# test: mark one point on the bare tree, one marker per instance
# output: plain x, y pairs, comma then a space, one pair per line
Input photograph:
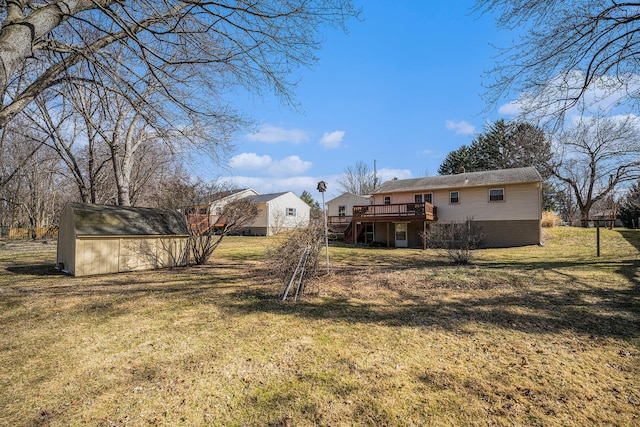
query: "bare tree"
205, 238
358, 179
595, 156
208, 45
578, 52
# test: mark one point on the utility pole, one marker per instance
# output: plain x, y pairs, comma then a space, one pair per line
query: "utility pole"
322, 187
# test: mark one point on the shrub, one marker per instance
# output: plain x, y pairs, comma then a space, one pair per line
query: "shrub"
456, 239
550, 219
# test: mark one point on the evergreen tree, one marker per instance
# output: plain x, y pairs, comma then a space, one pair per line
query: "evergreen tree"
503, 145
630, 210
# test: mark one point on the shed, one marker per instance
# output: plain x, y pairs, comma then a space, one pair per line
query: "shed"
100, 239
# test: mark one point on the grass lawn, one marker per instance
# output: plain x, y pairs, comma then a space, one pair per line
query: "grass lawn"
398, 337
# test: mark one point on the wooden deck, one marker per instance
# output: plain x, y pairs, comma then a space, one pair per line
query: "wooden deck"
395, 212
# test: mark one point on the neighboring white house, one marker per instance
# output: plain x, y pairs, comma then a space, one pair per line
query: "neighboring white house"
340, 211
277, 213
207, 213
342, 206
216, 207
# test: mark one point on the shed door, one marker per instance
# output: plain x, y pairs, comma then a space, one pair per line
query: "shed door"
401, 235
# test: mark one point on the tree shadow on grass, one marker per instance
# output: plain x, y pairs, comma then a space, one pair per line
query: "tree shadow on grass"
605, 311
631, 236
35, 270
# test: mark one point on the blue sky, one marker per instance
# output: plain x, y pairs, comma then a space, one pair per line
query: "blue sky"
403, 87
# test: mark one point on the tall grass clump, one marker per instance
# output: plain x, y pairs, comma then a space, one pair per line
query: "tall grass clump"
550, 219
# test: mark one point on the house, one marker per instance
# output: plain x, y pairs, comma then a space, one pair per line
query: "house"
506, 204
208, 213
277, 213
97, 239
340, 211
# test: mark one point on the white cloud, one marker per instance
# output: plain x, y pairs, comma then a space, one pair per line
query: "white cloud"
291, 165
605, 95
273, 134
513, 108
386, 174
461, 128
332, 139
250, 161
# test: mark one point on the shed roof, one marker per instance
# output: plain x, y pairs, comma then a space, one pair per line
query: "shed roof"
461, 180
103, 220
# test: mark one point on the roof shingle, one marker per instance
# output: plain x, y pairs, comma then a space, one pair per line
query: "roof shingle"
462, 180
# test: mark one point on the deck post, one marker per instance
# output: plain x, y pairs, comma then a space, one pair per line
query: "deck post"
424, 235
388, 236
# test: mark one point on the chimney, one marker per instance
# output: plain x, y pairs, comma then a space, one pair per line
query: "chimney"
461, 169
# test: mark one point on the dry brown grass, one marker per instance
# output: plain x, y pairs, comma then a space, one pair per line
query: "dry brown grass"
550, 219
526, 336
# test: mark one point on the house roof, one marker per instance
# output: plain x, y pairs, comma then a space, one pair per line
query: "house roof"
220, 195
462, 180
350, 196
103, 220
264, 198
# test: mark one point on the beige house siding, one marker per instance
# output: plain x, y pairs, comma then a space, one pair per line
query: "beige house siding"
514, 221
521, 202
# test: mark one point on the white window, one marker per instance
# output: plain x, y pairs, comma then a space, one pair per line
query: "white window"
417, 198
291, 211
387, 200
342, 210
496, 195
454, 197
428, 198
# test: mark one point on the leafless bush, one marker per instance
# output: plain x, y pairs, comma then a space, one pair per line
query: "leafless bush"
456, 239
204, 238
283, 260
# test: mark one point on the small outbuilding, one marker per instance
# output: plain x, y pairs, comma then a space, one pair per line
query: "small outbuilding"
100, 239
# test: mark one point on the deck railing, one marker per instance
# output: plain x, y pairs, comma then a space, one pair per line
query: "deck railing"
341, 220
409, 211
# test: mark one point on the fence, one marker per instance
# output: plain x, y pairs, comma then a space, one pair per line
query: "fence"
27, 233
